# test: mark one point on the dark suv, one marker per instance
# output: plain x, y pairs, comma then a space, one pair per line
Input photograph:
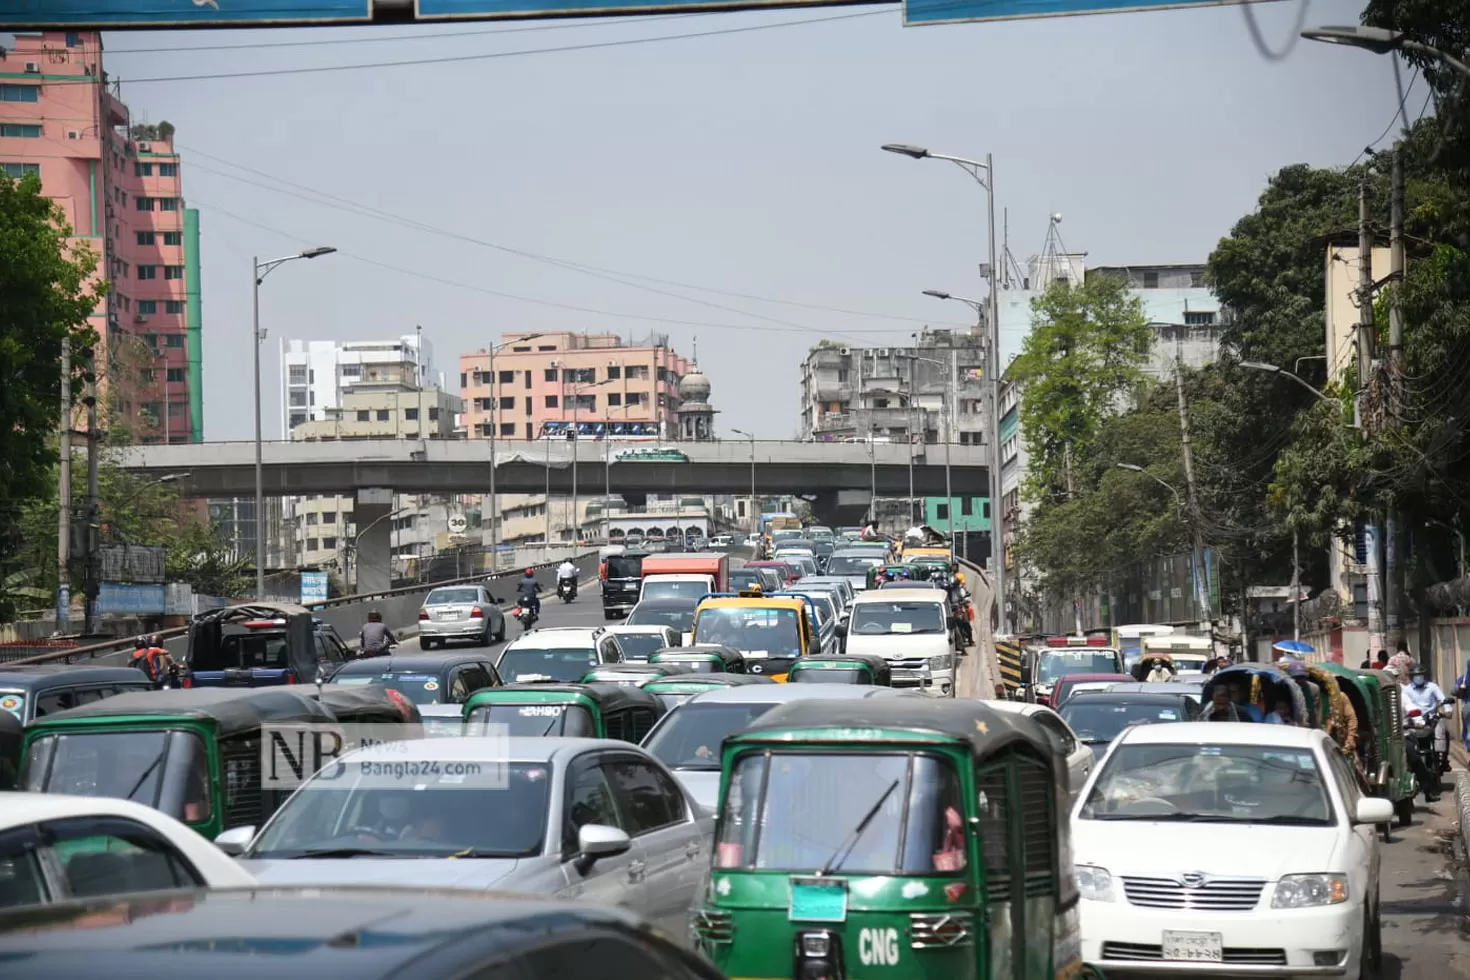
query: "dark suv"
622, 577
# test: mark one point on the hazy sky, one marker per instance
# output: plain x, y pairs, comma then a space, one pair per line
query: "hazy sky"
746, 163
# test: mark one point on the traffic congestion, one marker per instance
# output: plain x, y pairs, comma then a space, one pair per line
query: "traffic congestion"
770, 758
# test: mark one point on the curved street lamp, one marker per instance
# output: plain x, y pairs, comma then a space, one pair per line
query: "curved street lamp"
1380, 40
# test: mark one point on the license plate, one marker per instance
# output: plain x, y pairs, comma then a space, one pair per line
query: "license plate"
446, 614
817, 900
1193, 947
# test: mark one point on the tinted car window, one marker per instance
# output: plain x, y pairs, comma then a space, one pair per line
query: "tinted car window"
615, 958
21, 880
691, 738
114, 855
638, 646
589, 800
648, 798
621, 566
444, 596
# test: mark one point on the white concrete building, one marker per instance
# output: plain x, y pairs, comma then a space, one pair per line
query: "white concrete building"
315, 373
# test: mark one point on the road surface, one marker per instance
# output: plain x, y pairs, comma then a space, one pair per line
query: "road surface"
1422, 899
585, 611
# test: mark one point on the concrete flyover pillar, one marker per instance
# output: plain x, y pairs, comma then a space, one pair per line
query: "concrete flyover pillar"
374, 542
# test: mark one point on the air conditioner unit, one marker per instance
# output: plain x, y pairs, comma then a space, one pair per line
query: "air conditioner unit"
73, 134
844, 351
141, 318
33, 68
145, 147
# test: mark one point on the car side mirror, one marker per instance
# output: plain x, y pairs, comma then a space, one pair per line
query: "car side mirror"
595, 841
841, 628
1373, 810
234, 841
497, 600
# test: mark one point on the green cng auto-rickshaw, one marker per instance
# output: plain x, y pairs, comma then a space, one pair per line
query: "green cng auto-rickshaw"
845, 668
702, 658
636, 675
195, 754
891, 838
675, 689
11, 736
612, 711
1381, 754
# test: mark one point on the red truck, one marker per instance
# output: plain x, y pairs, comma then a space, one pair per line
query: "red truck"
685, 575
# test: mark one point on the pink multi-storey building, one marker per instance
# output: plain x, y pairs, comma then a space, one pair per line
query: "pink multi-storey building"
540, 384
120, 189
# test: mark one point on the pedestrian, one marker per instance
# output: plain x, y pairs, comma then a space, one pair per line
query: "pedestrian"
1002, 693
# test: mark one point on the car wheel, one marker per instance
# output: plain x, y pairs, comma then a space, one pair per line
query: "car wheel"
1370, 960
500, 633
425, 643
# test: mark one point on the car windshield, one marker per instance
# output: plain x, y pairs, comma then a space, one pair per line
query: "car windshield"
638, 646
1254, 784
852, 564
796, 811
442, 597
1099, 721
566, 665
420, 688
622, 566
753, 630
439, 809
691, 737
872, 618
655, 588
532, 720
680, 618
745, 579
1052, 665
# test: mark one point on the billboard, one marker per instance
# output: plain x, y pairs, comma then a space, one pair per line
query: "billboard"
132, 600
139, 564
918, 12
313, 587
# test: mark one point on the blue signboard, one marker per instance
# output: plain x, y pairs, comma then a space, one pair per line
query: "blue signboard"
313, 587
180, 13
134, 600
917, 12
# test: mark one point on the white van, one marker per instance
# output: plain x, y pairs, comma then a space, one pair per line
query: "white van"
910, 628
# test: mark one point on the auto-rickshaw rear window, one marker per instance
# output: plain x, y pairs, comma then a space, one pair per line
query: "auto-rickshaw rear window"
799, 811
532, 720
163, 769
263, 648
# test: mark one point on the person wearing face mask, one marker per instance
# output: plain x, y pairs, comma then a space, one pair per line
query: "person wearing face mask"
1424, 694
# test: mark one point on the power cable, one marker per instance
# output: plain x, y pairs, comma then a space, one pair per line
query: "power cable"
1259, 39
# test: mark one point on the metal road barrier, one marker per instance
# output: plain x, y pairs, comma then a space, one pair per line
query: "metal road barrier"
400, 609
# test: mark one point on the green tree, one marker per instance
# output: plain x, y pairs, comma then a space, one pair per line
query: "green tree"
1084, 355
46, 294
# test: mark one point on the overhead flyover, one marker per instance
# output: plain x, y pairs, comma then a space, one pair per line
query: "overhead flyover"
808, 469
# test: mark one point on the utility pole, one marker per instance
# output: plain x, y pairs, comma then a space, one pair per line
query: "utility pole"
492, 508
63, 510
1296, 588
1366, 338
1393, 397
94, 449
1201, 583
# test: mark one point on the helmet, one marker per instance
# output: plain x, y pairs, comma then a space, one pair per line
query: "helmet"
141, 643
155, 640
374, 616
530, 573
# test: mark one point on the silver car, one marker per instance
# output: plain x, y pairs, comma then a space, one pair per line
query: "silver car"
459, 612
593, 820
687, 739
639, 642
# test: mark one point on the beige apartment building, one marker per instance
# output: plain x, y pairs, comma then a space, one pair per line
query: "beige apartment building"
384, 404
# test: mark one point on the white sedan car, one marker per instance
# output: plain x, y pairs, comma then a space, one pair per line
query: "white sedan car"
55, 848
1214, 850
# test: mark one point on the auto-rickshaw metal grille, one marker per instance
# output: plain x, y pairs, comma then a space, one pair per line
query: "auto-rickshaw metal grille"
1395, 717
240, 762
941, 930
1038, 829
992, 784
714, 927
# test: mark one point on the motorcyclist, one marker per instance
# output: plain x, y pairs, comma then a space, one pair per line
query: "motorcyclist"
161, 666
528, 592
566, 574
1424, 694
140, 656
375, 639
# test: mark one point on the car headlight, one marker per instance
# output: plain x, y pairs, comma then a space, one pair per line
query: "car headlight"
1309, 891
1094, 884
941, 662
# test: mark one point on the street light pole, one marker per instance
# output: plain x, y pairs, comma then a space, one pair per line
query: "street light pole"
258, 271
753, 519
1380, 40
983, 173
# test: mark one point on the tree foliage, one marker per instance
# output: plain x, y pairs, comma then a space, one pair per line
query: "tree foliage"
47, 291
1086, 350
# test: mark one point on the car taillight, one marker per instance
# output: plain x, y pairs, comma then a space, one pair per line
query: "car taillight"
290, 678
188, 681
423, 614
477, 613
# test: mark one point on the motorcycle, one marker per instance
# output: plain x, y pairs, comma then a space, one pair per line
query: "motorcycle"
566, 589
524, 614
1419, 741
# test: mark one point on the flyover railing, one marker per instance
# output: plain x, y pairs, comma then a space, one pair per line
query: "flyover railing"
345, 614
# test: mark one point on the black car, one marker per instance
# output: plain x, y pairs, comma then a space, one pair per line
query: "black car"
1098, 717
622, 579
334, 934
677, 613
426, 679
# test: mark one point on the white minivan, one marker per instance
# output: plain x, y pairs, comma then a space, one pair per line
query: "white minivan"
909, 628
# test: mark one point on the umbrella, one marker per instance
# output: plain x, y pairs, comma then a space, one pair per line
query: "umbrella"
1294, 648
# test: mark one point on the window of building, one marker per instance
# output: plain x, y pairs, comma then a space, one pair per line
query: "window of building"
311, 544
329, 544
143, 203
147, 272
527, 376
147, 376
614, 372
311, 518
173, 272
176, 409
142, 170
20, 130
296, 374
551, 401
550, 374
151, 339
614, 398
19, 170
297, 399
636, 398
636, 372
507, 429
1195, 318
145, 237
147, 307
168, 204
508, 403
363, 415
462, 380
410, 414
173, 307
433, 415
173, 238
384, 415
506, 377
176, 375
174, 340
586, 403
1151, 280
20, 93
168, 170
584, 376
